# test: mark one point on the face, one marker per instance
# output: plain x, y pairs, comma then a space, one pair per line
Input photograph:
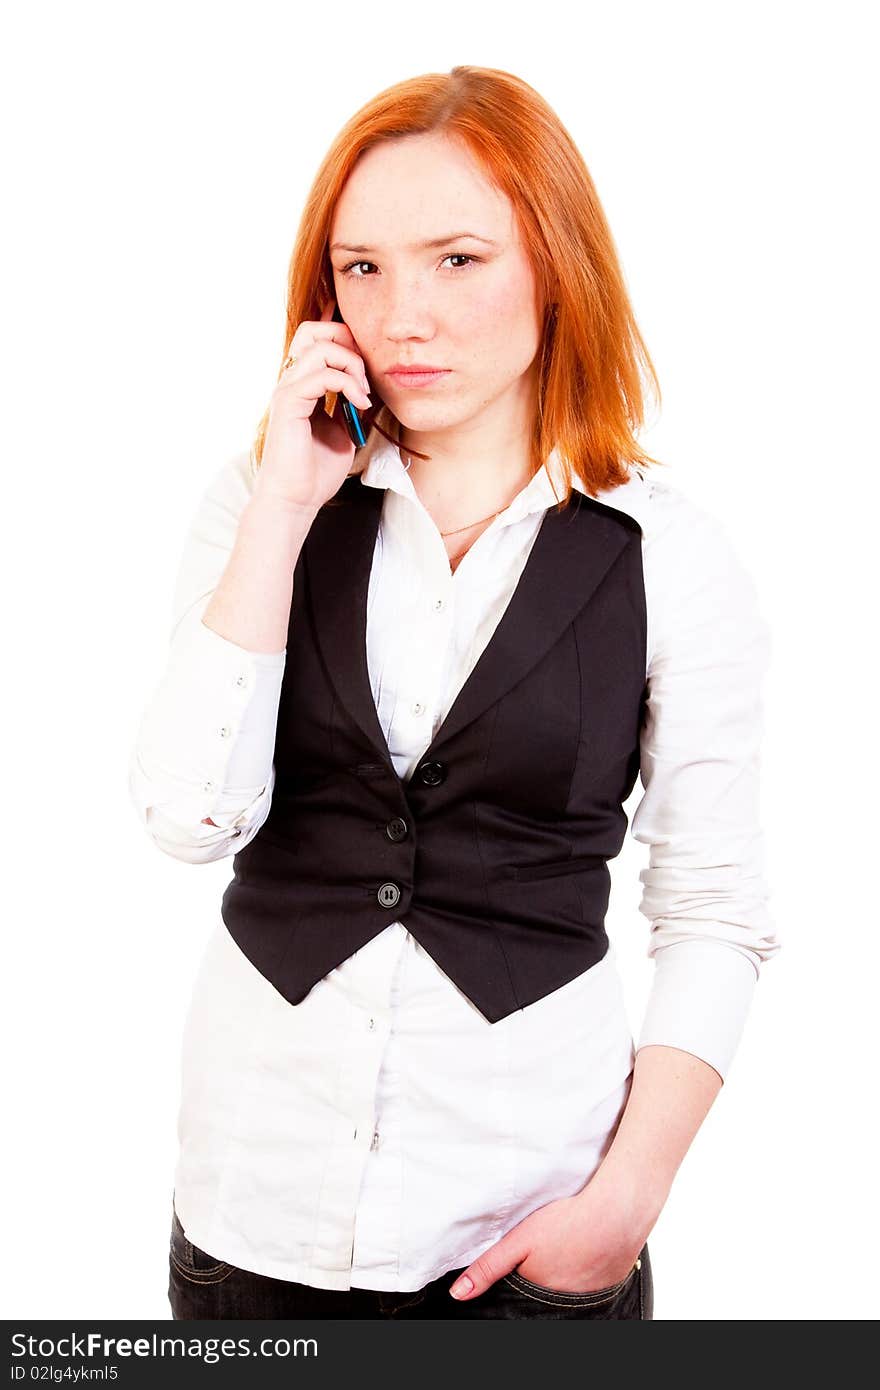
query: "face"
466, 305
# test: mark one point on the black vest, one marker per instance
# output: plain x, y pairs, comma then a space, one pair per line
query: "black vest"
493, 854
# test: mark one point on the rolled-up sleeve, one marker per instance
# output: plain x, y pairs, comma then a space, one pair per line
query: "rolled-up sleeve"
205, 744
705, 889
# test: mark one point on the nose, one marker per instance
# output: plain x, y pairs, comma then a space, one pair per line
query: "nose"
406, 314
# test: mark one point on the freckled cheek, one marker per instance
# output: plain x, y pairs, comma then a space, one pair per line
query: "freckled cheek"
492, 339
366, 331
501, 316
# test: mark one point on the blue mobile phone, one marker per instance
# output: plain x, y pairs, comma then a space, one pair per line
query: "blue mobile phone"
349, 414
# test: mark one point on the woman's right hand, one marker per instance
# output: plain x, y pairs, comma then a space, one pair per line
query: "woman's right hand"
306, 453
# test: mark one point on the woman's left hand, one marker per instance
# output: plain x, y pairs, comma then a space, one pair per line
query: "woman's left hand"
576, 1244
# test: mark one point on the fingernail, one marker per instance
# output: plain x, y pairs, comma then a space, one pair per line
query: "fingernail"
462, 1286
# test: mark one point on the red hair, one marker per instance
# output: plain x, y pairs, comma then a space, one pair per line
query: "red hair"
590, 393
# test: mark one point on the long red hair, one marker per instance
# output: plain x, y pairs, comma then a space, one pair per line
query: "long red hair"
591, 389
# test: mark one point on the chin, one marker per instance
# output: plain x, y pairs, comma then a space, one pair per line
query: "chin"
427, 415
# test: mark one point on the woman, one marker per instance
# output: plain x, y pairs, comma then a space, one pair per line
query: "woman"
409, 689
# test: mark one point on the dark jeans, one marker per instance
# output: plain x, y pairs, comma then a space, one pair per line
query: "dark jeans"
202, 1287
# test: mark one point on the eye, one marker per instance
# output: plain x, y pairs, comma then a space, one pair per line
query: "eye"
453, 256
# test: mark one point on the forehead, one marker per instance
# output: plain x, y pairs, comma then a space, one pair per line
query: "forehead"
408, 190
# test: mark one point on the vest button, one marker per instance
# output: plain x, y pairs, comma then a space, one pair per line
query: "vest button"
431, 774
396, 829
389, 895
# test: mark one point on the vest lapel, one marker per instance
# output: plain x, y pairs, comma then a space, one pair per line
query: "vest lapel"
572, 553
338, 554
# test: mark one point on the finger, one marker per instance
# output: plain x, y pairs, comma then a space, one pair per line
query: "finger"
333, 354
485, 1270
311, 331
463, 1286
328, 327
312, 386
339, 331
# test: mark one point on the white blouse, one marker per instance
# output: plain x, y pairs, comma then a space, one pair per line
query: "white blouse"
382, 1132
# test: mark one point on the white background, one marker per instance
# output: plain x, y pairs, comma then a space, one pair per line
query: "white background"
157, 158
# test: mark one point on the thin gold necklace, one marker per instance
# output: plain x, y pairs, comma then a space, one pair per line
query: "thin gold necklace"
458, 529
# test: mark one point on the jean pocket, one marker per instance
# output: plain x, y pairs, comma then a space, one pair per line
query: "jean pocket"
565, 1298
192, 1263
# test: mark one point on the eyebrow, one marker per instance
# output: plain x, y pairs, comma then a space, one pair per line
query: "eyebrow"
421, 245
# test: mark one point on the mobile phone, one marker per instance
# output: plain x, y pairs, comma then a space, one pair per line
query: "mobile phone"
350, 415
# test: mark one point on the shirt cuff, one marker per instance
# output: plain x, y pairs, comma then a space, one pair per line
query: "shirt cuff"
700, 1000
206, 741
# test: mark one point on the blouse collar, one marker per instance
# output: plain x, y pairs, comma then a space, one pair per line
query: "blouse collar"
380, 465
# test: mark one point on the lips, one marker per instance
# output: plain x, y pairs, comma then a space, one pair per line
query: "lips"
417, 376
415, 367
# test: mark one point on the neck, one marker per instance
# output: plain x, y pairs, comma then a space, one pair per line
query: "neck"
473, 471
